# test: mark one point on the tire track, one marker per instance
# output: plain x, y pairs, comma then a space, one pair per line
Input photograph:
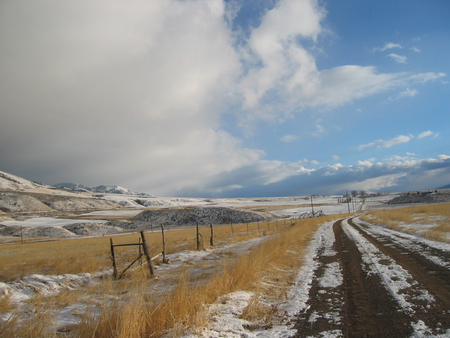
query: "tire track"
360, 301
369, 310
430, 276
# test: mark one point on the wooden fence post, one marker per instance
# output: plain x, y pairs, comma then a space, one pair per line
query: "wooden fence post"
140, 251
113, 258
165, 259
211, 240
259, 232
147, 254
198, 238
247, 229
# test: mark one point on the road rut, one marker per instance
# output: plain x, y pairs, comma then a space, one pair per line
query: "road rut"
376, 283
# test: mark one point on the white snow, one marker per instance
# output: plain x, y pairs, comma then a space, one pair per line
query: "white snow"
410, 241
332, 277
113, 213
47, 221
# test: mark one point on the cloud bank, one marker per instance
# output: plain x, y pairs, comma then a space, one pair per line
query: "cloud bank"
402, 174
134, 93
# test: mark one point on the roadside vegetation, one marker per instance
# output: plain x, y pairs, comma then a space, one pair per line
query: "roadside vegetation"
428, 220
138, 306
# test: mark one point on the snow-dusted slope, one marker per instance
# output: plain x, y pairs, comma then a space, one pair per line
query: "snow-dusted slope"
12, 182
102, 189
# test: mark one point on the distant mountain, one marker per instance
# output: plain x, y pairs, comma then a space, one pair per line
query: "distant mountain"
72, 187
13, 182
101, 189
445, 187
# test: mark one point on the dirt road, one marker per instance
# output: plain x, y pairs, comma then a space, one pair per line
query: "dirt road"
369, 281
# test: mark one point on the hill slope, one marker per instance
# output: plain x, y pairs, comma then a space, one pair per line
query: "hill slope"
13, 182
204, 216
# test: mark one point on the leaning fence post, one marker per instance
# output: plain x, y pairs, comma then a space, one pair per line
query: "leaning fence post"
147, 254
113, 257
211, 240
140, 252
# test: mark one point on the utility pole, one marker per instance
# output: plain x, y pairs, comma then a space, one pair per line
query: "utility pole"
348, 202
312, 205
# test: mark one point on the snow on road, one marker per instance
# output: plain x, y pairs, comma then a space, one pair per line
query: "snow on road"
375, 295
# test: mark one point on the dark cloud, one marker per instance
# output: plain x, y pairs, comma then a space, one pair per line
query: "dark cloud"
337, 179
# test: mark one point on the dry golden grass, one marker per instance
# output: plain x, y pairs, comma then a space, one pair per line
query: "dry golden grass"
5, 304
93, 254
275, 260
37, 322
412, 219
126, 307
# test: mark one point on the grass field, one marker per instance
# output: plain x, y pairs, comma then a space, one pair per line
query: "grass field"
429, 220
137, 306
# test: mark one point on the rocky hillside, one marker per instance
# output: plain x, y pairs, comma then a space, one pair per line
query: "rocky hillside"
204, 216
14, 202
12, 182
421, 198
103, 189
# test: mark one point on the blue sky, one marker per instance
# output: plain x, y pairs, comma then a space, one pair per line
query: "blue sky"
227, 98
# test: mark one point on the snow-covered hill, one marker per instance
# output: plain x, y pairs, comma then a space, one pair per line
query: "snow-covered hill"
13, 182
102, 189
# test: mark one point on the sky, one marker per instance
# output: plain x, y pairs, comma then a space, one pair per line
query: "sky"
236, 98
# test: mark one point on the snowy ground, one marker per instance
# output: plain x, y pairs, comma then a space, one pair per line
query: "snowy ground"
410, 296
46, 221
328, 205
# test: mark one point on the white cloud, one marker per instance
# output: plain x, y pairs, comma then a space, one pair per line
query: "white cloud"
388, 45
425, 77
319, 129
341, 85
406, 93
397, 158
425, 134
417, 50
336, 158
289, 138
131, 86
386, 143
284, 63
282, 75
398, 58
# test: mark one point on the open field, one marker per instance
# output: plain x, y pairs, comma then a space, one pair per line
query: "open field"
283, 277
428, 220
262, 265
